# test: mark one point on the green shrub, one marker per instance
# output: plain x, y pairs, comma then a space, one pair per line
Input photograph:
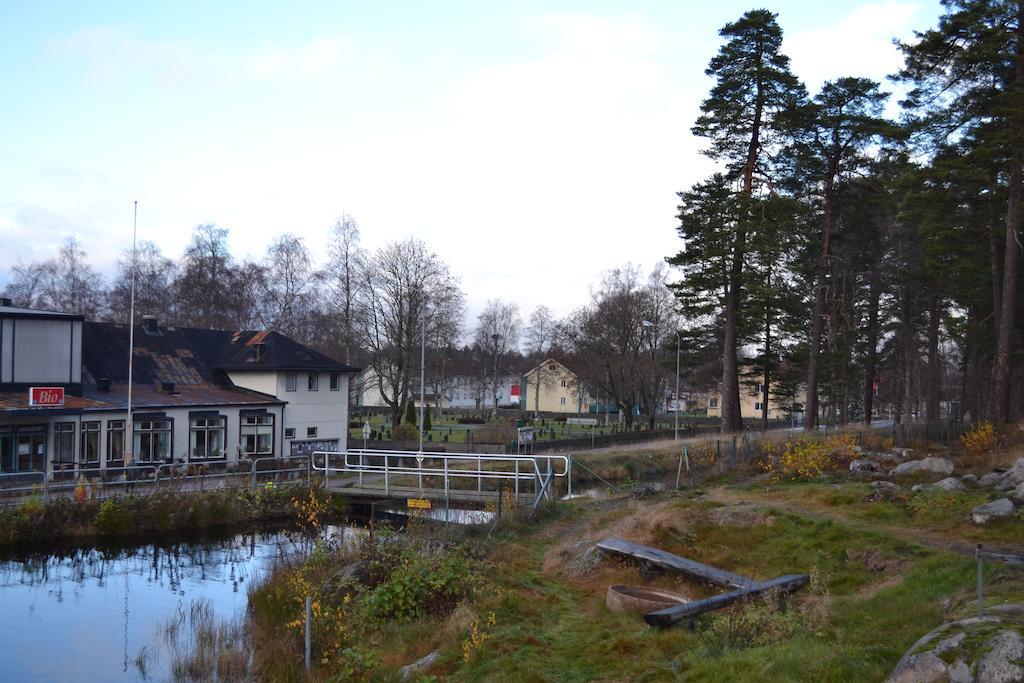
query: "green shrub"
405, 432
427, 424
112, 517
410, 414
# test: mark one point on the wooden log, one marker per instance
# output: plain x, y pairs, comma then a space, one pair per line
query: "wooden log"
675, 563
673, 615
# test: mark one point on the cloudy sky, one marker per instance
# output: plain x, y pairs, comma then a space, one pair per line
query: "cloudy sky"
532, 145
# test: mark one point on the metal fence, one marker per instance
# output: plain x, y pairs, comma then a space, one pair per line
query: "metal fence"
145, 479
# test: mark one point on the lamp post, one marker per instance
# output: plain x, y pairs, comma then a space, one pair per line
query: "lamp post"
675, 433
423, 365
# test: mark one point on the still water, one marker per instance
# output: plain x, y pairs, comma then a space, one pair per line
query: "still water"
86, 614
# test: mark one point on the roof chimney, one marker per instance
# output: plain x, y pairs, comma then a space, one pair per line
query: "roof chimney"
150, 324
168, 387
103, 384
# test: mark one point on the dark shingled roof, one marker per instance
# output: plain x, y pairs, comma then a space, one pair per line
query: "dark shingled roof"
194, 360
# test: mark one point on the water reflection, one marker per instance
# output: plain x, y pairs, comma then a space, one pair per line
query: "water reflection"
86, 614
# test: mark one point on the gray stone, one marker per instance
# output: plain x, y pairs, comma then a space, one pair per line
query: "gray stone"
948, 484
1015, 475
997, 509
929, 464
970, 481
950, 643
999, 664
861, 466
959, 672
908, 467
920, 668
1018, 493
408, 671
990, 479
885, 490
902, 453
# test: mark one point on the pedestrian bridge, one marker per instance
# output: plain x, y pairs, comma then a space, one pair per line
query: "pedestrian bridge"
450, 477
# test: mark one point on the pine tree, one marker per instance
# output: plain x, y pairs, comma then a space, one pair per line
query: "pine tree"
427, 424
410, 413
740, 118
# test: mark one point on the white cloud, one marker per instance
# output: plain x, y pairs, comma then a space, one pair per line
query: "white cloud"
860, 44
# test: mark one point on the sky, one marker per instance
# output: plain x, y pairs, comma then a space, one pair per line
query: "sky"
531, 145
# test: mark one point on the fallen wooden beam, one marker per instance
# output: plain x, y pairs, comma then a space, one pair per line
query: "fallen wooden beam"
675, 563
673, 615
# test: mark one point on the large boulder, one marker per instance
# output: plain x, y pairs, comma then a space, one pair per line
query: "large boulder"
929, 464
885, 490
991, 479
1015, 475
925, 667
1018, 493
997, 509
864, 468
1001, 663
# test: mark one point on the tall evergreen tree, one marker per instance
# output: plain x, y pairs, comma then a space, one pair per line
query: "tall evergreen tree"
740, 118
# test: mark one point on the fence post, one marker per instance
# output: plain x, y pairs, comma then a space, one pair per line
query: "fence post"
568, 475
252, 467
679, 469
309, 629
387, 487
981, 580
46, 487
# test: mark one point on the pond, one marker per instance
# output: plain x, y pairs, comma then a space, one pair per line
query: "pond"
88, 613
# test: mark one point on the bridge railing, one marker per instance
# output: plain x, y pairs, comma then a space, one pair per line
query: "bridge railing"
375, 467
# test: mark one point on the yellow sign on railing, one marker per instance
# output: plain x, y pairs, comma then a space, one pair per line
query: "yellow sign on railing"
418, 503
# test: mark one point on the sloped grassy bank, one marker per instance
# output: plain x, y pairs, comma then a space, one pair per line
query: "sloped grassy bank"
525, 600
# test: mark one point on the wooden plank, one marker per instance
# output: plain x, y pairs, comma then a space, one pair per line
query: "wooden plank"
675, 563
673, 615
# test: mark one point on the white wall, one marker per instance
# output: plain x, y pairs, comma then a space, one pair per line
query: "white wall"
324, 409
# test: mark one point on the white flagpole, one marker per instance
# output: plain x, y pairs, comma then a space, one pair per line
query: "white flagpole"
129, 432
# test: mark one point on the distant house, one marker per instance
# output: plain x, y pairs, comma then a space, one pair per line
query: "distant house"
198, 396
751, 402
553, 388
456, 391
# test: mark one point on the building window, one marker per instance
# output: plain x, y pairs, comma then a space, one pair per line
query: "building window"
152, 441
115, 441
90, 443
206, 438
289, 432
712, 403
551, 367
760, 388
313, 381
310, 432
335, 381
64, 443
257, 435
291, 381
563, 400
565, 383
757, 406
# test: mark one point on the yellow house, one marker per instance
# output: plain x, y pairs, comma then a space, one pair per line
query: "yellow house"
751, 397
552, 388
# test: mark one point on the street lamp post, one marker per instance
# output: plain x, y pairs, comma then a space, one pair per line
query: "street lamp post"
675, 435
423, 365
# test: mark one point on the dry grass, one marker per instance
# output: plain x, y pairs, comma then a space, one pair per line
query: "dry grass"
205, 648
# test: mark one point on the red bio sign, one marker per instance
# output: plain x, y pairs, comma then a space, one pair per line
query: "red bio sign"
46, 396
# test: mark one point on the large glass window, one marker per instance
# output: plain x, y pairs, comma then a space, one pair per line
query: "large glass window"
64, 443
312, 381
335, 381
206, 438
90, 455
290, 381
257, 435
152, 441
115, 442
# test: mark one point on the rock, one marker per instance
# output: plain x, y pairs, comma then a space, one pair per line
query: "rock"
885, 457
948, 484
408, 671
920, 668
1000, 663
969, 480
950, 643
1015, 475
902, 453
885, 490
990, 479
997, 509
859, 466
959, 672
929, 464
1018, 493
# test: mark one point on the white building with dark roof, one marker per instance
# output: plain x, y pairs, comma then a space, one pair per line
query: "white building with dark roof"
198, 396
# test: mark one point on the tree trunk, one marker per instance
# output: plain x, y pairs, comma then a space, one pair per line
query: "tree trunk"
732, 420
934, 376
871, 360
811, 408
1011, 252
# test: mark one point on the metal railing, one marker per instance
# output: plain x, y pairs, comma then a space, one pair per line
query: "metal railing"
143, 479
449, 471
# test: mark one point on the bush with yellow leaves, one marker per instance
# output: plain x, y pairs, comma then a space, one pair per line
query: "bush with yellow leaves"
980, 439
